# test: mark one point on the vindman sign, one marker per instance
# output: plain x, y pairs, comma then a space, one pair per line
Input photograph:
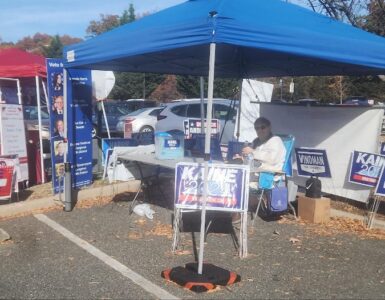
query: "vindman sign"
312, 162
365, 168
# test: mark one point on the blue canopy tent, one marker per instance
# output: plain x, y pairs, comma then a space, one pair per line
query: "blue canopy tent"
239, 39
253, 38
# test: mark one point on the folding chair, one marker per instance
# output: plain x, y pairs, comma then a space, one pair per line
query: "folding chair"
268, 180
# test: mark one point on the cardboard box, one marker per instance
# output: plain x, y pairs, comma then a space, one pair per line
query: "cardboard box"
315, 210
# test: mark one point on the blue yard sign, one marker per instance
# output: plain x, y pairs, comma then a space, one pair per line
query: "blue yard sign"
382, 150
312, 162
365, 168
380, 187
226, 186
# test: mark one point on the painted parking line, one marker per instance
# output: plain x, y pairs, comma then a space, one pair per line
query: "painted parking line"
145, 284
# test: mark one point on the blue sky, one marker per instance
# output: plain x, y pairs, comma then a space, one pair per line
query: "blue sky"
21, 18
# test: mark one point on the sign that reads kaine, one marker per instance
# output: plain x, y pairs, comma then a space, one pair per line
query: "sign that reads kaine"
312, 162
365, 168
226, 186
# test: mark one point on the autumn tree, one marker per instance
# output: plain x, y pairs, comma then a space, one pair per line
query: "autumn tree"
375, 20
41, 43
365, 14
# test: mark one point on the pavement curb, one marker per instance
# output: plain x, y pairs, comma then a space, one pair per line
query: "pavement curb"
31, 206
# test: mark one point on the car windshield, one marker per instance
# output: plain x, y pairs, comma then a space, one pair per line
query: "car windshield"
122, 110
137, 112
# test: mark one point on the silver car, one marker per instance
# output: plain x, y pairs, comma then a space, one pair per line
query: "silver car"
141, 120
31, 120
173, 116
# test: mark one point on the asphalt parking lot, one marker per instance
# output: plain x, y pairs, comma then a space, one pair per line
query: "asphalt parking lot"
286, 259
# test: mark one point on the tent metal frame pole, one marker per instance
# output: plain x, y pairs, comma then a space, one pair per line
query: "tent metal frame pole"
202, 89
105, 119
40, 128
19, 92
45, 94
207, 153
67, 164
239, 110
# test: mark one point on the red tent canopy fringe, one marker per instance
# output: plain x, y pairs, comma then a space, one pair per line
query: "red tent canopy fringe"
16, 63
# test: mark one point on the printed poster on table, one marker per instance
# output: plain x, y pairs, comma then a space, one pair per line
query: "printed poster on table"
365, 168
227, 186
12, 136
312, 162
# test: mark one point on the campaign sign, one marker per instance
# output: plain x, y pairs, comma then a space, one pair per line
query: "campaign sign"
365, 168
382, 150
226, 186
79, 108
193, 126
312, 162
12, 136
8, 169
380, 186
56, 113
171, 143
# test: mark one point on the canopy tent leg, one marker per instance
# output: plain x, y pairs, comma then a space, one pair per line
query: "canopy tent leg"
45, 95
19, 92
40, 128
105, 119
67, 177
207, 153
202, 88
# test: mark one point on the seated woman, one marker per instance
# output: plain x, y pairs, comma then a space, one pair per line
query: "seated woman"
267, 150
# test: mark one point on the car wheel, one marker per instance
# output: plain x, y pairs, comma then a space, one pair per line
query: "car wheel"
146, 129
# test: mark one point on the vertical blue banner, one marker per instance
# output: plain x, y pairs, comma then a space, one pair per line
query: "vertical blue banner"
79, 118
56, 110
78, 145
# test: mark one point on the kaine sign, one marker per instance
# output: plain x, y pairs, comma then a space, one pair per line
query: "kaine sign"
365, 168
226, 186
312, 162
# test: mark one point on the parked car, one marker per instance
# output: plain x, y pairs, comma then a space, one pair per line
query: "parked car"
358, 100
31, 120
114, 110
172, 117
141, 120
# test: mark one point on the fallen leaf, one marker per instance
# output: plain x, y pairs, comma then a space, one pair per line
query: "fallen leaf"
294, 240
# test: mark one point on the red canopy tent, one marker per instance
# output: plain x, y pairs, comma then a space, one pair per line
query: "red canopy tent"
16, 63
